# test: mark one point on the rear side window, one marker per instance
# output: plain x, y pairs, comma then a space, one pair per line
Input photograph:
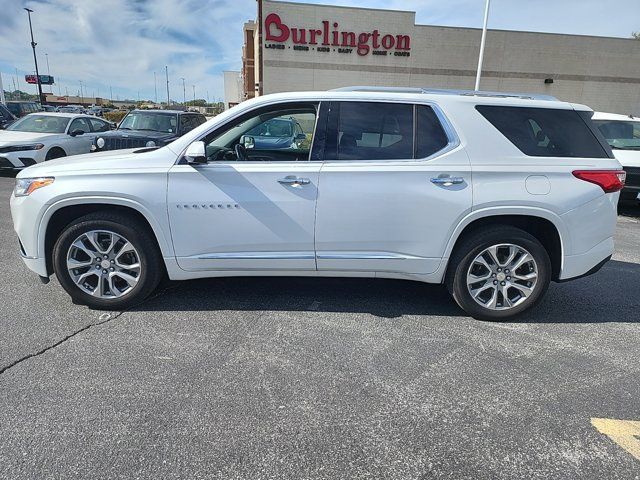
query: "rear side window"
375, 131
545, 132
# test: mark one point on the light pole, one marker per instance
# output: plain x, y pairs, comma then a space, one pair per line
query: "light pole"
184, 94
46, 55
484, 36
166, 71
81, 93
110, 94
194, 95
35, 60
155, 86
18, 83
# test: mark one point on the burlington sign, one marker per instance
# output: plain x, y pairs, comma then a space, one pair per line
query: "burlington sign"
329, 36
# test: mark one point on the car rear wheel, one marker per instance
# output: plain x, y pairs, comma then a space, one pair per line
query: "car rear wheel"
107, 261
498, 273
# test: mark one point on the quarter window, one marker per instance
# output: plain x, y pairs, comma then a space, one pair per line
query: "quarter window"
545, 132
430, 136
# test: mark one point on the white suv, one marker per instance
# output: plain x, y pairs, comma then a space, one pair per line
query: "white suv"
492, 195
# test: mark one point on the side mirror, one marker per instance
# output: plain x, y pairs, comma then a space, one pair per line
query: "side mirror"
301, 136
75, 133
196, 153
249, 142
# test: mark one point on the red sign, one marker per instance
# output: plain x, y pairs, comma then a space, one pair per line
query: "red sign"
364, 43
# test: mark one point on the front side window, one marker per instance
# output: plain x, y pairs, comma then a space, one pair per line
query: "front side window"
40, 124
545, 132
282, 133
620, 134
375, 131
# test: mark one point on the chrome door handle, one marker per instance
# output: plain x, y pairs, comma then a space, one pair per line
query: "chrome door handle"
294, 181
447, 181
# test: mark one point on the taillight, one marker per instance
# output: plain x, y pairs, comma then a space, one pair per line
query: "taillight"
609, 180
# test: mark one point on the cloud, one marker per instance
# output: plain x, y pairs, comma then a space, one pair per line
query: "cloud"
121, 43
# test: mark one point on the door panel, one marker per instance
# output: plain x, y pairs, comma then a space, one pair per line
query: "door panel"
379, 211
389, 217
243, 215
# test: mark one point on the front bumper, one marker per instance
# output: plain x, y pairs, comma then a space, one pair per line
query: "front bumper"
16, 161
26, 213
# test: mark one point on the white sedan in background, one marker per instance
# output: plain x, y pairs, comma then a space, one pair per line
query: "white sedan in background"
47, 135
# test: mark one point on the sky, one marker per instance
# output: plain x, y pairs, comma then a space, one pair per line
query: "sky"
117, 45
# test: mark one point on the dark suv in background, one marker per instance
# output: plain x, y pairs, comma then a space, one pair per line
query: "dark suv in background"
20, 108
148, 128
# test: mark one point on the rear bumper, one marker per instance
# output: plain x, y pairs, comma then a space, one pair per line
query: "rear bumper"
577, 266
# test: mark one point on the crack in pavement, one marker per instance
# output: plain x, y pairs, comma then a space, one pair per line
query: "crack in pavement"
109, 317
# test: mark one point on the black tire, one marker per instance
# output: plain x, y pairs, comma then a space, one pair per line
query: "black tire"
55, 152
472, 246
137, 233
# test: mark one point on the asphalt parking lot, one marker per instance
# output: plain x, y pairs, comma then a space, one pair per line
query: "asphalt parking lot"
317, 378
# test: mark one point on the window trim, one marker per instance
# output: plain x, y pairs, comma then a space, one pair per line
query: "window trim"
453, 140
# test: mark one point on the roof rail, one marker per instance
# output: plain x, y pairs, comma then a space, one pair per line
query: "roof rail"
445, 91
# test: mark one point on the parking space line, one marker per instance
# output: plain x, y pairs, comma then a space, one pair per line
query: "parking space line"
624, 432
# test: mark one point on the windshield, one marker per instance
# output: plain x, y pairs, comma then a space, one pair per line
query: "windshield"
40, 124
272, 128
620, 134
157, 122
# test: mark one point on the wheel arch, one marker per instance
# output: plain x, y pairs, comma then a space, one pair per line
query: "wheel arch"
542, 224
55, 147
60, 214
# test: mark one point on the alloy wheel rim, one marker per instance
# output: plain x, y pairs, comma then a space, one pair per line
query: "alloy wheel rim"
502, 276
104, 264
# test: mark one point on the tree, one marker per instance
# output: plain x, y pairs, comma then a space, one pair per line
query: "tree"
635, 35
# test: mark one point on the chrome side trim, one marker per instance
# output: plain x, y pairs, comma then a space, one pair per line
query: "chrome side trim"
328, 255
257, 256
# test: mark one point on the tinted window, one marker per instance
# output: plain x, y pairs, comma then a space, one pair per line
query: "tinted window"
620, 134
430, 136
5, 114
98, 125
375, 131
14, 108
545, 132
80, 124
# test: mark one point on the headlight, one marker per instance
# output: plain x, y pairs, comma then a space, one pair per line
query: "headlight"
100, 142
151, 143
26, 186
21, 148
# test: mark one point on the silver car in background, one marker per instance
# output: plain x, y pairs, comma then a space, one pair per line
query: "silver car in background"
44, 136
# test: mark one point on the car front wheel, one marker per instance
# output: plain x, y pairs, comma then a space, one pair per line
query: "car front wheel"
107, 261
499, 272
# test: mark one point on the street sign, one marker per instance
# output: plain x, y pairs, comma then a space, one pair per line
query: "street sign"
44, 79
